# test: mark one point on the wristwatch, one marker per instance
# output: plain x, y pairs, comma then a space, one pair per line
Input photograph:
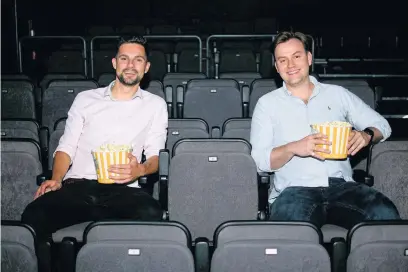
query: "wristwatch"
371, 133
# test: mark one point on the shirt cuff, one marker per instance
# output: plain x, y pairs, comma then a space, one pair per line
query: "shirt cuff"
385, 130
265, 161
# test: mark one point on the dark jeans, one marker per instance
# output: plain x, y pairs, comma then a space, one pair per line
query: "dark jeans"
81, 200
342, 203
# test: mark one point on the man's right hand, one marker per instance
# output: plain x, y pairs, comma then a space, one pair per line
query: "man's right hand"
46, 186
307, 146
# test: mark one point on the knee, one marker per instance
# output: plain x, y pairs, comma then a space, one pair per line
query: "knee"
151, 211
293, 212
383, 209
33, 215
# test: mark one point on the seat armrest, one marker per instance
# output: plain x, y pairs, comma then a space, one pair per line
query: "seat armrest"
202, 254
215, 132
361, 176
245, 100
164, 164
263, 188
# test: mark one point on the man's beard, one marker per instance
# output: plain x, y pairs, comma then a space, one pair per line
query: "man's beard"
128, 82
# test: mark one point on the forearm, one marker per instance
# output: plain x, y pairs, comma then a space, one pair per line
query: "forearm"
377, 135
61, 165
281, 155
151, 165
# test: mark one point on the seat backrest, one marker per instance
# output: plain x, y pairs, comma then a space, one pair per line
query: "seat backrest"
243, 78
20, 166
215, 101
378, 246
159, 65
14, 77
60, 123
58, 98
102, 62
237, 60
50, 77
244, 230
17, 248
211, 181
237, 128
176, 79
358, 87
128, 230
179, 79
136, 246
17, 99
20, 129
259, 88
389, 166
188, 61
212, 83
185, 129
156, 87
105, 79
268, 246
67, 61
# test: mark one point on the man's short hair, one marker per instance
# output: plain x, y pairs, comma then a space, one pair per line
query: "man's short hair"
288, 35
135, 40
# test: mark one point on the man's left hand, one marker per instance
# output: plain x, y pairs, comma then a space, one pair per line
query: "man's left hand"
127, 172
357, 141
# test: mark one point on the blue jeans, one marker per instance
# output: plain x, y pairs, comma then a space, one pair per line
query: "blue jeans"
342, 203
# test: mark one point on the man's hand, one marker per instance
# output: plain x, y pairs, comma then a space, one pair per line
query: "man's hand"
46, 186
127, 172
357, 140
308, 146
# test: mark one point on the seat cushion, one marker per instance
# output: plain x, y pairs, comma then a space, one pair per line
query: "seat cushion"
332, 231
75, 231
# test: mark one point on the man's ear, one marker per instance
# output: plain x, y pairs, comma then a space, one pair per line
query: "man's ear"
147, 67
114, 63
276, 67
309, 58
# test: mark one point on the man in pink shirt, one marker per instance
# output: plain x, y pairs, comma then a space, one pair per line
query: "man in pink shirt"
121, 113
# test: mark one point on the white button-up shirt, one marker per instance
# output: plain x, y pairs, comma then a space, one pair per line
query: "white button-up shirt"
95, 118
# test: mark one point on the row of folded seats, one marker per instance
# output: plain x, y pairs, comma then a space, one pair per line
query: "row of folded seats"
188, 95
177, 129
203, 183
234, 137
237, 246
227, 55
165, 57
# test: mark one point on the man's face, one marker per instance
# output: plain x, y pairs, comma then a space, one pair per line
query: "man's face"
130, 64
292, 62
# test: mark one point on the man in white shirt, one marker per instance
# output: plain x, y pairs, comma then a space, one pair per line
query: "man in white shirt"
121, 113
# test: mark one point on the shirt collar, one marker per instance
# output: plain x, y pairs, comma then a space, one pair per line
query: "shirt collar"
108, 92
316, 89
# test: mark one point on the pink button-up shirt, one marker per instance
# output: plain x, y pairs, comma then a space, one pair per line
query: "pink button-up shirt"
95, 118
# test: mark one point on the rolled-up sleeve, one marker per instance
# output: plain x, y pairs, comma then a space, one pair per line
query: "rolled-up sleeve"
262, 127
156, 136
361, 116
68, 142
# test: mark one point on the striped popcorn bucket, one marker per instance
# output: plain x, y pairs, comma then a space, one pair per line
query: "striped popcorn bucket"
104, 159
338, 134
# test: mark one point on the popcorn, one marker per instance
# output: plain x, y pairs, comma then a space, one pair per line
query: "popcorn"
334, 124
113, 148
338, 133
107, 155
